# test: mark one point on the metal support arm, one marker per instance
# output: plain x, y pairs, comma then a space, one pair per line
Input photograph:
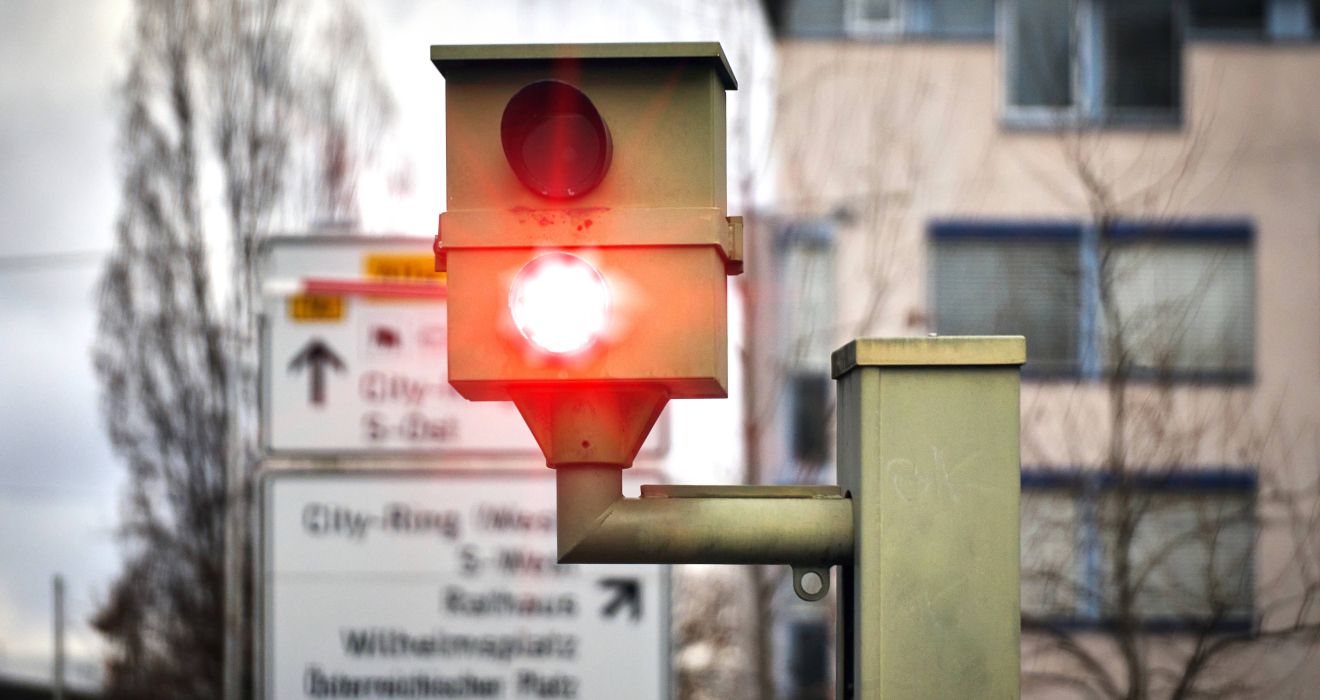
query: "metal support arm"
809, 528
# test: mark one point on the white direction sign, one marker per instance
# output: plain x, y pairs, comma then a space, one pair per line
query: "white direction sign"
385, 586
349, 372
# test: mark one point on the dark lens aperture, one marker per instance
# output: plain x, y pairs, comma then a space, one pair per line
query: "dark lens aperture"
555, 140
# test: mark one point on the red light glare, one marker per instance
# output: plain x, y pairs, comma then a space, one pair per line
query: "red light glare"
560, 303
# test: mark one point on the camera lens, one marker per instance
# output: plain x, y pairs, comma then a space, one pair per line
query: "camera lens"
555, 140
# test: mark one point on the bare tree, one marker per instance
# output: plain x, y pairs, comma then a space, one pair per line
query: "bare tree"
1174, 605
708, 661
212, 86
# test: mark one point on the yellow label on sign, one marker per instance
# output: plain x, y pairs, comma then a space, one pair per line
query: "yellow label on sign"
401, 266
309, 307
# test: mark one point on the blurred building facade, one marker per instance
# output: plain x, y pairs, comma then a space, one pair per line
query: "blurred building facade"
1134, 185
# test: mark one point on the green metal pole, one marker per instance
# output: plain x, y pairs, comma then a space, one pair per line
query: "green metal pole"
928, 450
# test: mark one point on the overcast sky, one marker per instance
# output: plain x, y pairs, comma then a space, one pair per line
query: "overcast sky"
58, 482
60, 485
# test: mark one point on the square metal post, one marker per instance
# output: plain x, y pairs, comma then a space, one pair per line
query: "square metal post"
928, 449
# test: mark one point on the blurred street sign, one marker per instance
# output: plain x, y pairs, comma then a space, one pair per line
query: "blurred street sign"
445, 585
354, 356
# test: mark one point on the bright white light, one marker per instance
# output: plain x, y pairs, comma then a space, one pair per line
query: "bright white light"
560, 302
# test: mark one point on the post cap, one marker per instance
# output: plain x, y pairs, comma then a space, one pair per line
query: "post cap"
702, 53
967, 350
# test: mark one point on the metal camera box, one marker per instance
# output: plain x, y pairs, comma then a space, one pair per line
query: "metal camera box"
615, 155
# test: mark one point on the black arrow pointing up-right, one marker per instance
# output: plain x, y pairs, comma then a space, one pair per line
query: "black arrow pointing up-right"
316, 355
627, 591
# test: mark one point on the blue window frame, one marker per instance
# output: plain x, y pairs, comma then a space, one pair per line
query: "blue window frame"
1189, 559
1160, 301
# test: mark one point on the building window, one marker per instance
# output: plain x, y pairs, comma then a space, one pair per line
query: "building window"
1042, 53
807, 284
1253, 20
807, 278
969, 18
876, 17
1092, 62
1157, 301
953, 19
808, 19
1185, 298
1005, 279
1227, 19
809, 662
1292, 20
812, 407
1165, 552
1142, 56
1066, 46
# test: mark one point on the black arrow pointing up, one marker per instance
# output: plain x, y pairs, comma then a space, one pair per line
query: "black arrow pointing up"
627, 591
316, 355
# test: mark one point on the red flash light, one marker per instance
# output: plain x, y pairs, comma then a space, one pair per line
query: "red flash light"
560, 303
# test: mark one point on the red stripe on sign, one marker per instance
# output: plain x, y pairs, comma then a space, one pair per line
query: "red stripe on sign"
375, 288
